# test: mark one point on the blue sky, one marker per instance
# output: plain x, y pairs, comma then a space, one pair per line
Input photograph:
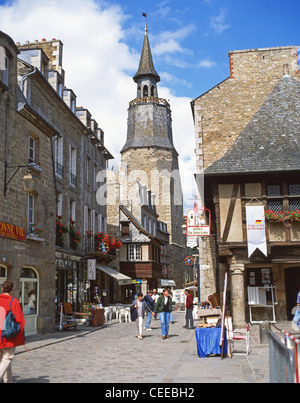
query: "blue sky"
190, 41
205, 30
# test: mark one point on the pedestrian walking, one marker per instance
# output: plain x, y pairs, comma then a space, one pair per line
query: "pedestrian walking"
189, 310
296, 319
164, 307
139, 306
171, 314
150, 304
155, 297
8, 346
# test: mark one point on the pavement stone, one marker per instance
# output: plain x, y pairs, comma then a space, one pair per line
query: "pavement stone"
113, 354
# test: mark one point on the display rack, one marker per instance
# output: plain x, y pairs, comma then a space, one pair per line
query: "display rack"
258, 298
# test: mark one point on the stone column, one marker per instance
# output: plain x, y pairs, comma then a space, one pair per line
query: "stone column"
238, 294
144, 287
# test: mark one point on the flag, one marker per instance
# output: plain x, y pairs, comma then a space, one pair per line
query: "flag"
144, 15
256, 231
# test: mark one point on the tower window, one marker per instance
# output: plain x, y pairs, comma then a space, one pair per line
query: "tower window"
145, 91
152, 91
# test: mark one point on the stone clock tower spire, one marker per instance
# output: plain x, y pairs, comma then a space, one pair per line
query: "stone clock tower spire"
150, 158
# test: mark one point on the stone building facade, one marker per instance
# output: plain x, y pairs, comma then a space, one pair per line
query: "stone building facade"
132, 218
65, 141
247, 140
27, 255
79, 155
150, 158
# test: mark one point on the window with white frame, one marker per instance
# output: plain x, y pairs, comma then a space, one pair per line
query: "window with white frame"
72, 168
73, 210
5, 72
134, 252
30, 216
95, 169
31, 150
59, 204
87, 170
58, 156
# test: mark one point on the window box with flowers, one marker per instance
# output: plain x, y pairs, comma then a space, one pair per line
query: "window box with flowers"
75, 236
61, 229
96, 240
282, 217
35, 232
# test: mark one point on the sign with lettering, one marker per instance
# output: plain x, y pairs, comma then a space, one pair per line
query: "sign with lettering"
198, 222
256, 231
12, 231
91, 269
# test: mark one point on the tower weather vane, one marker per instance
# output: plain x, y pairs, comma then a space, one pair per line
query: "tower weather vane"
145, 15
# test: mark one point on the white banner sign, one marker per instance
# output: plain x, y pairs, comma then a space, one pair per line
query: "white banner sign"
256, 229
91, 269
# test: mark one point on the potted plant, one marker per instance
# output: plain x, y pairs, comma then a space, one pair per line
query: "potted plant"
61, 229
75, 236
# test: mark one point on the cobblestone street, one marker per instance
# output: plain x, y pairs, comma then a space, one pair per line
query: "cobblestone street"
113, 354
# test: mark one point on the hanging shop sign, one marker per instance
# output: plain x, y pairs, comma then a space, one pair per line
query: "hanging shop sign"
189, 260
256, 229
91, 269
103, 248
198, 222
192, 241
165, 270
12, 231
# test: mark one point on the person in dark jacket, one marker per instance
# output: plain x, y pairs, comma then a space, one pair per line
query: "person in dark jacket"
150, 304
189, 306
7, 346
164, 307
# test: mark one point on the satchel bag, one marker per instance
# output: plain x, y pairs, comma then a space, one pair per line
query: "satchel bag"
133, 313
10, 327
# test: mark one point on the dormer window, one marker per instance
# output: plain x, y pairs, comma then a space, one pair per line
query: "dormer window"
5, 66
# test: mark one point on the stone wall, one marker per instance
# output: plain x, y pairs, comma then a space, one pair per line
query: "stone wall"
220, 115
223, 112
157, 168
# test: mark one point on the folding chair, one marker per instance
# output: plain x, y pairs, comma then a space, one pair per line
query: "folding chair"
243, 336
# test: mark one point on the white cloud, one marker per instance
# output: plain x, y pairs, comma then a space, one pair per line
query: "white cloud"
99, 65
206, 63
218, 23
170, 41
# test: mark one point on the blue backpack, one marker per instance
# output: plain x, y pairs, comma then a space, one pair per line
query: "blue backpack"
10, 327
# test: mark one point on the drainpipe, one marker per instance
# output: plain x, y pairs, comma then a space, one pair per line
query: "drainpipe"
26, 76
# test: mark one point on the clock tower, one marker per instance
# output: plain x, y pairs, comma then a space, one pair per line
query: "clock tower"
150, 158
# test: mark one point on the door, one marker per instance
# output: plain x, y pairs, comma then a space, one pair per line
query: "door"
30, 299
292, 286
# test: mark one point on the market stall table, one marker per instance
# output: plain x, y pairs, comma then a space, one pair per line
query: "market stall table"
208, 341
205, 314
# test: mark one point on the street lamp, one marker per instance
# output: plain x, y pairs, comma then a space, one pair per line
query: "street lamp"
28, 182
28, 179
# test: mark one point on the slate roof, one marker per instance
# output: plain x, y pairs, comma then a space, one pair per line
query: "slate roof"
146, 67
271, 141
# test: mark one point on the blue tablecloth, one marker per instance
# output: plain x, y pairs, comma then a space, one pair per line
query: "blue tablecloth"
208, 341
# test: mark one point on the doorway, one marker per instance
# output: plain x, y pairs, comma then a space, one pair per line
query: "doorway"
30, 299
292, 287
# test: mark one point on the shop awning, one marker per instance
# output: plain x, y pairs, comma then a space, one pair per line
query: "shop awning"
121, 278
165, 283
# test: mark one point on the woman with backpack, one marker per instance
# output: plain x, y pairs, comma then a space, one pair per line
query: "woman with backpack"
8, 341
